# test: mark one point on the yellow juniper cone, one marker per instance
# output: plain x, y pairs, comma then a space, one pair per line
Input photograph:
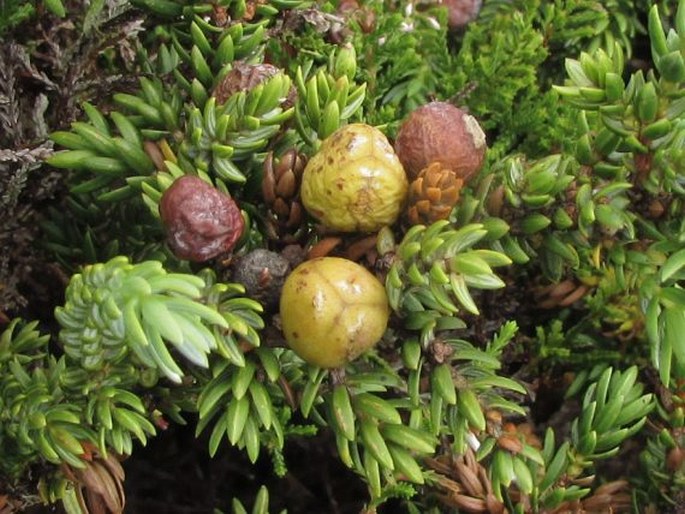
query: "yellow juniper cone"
332, 311
355, 182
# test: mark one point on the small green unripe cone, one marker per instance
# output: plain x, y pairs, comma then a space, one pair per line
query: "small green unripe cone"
496, 228
647, 104
345, 62
658, 129
672, 67
534, 222
561, 219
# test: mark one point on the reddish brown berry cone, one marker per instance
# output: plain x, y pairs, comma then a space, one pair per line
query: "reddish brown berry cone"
441, 132
201, 222
281, 193
433, 194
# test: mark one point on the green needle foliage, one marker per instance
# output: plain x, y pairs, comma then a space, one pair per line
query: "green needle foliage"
565, 256
12, 13
260, 506
16, 12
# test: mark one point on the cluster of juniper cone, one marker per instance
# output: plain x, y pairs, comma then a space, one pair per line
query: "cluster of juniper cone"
281, 192
432, 195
